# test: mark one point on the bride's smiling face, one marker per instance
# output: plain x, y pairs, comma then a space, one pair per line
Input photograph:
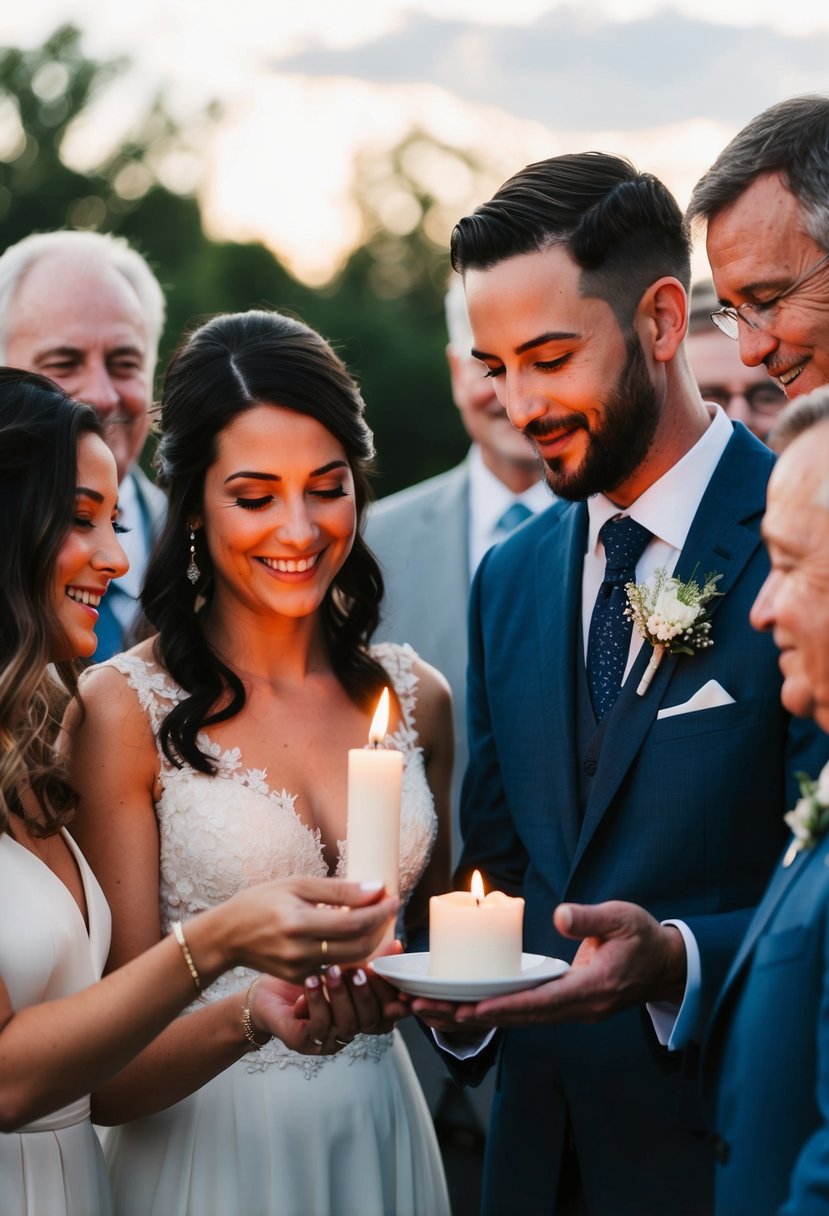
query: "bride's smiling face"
279, 515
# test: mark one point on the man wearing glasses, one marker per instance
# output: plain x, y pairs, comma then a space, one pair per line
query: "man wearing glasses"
745, 393
765, 201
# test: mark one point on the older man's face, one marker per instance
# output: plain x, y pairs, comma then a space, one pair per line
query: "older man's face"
758, 247
794, 600
81, 324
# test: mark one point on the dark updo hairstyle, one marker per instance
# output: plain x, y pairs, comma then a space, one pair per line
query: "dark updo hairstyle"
232, 364
39, 432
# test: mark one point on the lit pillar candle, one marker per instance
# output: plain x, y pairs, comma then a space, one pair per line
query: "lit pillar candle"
472, 936
375, 775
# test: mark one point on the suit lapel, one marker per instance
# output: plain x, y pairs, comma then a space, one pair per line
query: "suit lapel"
719, 541
559, 564
780, 883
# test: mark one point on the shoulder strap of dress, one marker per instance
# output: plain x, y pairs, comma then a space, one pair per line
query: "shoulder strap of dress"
155, 690
398, 661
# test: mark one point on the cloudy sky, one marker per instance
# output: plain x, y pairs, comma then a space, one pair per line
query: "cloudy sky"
303, 87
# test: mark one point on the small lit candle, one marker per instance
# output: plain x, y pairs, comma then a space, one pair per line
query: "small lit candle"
472, 936
375, 775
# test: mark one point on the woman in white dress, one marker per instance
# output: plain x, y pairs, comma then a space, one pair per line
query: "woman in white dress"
63, 1031
215, 755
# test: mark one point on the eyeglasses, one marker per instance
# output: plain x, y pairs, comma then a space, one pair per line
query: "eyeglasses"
759, 316
765, 399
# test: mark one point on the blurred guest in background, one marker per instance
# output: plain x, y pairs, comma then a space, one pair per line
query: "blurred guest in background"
429, 538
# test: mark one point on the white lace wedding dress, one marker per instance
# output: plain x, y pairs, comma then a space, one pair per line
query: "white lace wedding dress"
278, 1133
54, 1165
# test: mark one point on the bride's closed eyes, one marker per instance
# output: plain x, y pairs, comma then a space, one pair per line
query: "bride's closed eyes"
255, 504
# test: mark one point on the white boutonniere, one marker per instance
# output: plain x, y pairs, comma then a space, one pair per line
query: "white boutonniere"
671, 615
809, 820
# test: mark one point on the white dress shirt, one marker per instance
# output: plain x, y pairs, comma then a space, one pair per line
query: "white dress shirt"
667, 509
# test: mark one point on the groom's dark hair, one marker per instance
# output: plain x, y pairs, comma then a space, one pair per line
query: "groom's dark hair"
623, 227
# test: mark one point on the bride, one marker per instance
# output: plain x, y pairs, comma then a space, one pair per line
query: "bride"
213, 756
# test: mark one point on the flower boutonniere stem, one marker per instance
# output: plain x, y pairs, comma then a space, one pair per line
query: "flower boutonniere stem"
671, 616
650, 671
809, 820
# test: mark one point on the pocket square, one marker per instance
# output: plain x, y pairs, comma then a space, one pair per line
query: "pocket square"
709, 696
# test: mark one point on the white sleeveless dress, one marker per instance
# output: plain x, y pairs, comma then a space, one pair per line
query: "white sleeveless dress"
54, 1166
277, 1133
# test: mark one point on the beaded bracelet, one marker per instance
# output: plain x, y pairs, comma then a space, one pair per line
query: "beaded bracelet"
247, 1022
178, 934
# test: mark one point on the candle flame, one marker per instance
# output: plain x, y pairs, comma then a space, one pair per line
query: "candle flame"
380, 721
477, 886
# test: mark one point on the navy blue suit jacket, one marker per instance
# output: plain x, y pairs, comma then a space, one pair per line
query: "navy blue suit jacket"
766, 1060
683, 817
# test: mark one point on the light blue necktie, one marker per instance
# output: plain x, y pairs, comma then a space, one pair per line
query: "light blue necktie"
608, 641
514, 515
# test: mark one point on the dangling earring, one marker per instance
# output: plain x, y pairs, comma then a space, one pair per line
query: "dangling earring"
193, 571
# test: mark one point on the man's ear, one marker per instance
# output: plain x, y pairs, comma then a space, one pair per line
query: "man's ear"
662, 317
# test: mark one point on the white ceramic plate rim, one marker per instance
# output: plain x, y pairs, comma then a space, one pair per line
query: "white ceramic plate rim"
410, 973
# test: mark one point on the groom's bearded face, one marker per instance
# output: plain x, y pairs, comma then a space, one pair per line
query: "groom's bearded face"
577, 382
617, 442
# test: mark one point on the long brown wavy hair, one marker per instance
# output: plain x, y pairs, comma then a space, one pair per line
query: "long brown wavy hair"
39, 431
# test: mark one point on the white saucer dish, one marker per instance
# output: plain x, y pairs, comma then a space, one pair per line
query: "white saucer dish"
410, 973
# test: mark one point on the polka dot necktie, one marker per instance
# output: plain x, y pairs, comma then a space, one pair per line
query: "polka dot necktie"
608, 641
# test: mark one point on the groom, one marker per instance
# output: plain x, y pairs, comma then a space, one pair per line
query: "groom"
579, 789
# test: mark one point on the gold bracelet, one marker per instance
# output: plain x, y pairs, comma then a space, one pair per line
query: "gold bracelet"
247, 1023
178, 934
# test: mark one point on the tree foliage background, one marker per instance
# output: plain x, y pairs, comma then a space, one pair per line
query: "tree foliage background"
384, 312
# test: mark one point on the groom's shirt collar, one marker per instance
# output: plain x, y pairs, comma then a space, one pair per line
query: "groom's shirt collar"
667, 509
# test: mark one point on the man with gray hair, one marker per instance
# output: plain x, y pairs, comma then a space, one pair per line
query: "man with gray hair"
87, 311
765, 202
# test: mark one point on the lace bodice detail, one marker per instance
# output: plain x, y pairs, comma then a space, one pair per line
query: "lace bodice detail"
219, 834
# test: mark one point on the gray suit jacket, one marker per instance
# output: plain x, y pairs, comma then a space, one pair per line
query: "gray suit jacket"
420, 536
152, 502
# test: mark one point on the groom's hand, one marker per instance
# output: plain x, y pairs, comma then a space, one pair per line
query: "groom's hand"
625, 958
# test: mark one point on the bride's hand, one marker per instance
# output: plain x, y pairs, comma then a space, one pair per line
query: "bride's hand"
362, 1002
358, 1001
300, 1018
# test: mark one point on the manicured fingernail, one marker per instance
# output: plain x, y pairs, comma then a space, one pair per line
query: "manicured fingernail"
359, 976
333, 973
371, 886
313, 981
